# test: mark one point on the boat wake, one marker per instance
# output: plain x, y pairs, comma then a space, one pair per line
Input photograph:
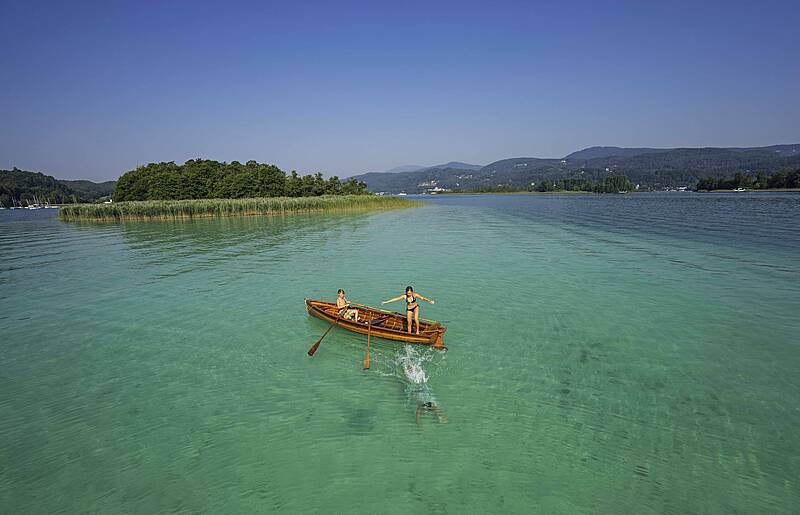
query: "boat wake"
411, 360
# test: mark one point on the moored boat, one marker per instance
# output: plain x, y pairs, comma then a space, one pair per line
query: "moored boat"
384, 324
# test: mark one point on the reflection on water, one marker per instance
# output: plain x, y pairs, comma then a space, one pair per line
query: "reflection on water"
252, 242
208, 234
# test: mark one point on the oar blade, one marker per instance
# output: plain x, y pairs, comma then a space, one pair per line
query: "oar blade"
314, 348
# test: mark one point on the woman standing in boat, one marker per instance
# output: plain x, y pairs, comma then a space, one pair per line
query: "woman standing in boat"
412, 307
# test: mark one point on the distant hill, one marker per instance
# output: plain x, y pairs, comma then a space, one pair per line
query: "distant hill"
404, 168
648, 167
595, 152
91, 190
458, 165
785, 150
519, 164
416, 168
23, 186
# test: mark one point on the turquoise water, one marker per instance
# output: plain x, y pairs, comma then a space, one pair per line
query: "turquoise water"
608, 354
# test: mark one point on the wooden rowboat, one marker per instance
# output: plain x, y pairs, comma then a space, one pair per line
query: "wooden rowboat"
385, 324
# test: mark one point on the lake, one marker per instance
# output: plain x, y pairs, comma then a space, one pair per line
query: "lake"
608, 354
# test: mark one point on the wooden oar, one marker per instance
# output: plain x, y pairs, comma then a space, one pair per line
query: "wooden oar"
401, 315
369, 335
370, 308
314, 347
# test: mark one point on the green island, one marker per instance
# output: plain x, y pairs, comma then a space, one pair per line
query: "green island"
205, 188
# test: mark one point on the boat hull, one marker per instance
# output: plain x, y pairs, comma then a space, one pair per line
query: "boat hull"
385, 324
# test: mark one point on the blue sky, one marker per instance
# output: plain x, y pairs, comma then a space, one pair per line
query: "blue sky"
91, 90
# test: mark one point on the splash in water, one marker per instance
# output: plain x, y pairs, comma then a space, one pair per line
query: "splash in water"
411, 360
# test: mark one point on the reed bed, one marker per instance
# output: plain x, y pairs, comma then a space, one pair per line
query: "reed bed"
211, 208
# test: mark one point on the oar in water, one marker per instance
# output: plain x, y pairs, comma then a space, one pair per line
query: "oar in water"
369, 335
314, 347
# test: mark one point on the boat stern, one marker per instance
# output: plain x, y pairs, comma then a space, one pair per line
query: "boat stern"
438, 342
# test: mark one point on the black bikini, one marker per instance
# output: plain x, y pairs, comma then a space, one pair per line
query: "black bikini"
413, 301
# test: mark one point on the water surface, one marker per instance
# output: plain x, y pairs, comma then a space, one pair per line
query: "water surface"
608, 354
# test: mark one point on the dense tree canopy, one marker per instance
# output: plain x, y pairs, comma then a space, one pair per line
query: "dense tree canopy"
780, 180
19, 187
612, 184
200, 178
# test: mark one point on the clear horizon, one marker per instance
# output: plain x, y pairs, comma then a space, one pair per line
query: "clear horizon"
94, 90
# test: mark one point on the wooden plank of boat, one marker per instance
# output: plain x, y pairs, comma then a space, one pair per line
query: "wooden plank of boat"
387, 324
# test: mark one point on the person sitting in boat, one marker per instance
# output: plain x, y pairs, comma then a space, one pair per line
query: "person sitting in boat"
412, 307
344, 307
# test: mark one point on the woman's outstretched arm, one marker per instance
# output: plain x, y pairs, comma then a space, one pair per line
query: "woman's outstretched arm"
426, 299
392, 300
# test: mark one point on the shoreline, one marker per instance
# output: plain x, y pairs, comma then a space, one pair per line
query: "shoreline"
765, 190
520, 193
158, 210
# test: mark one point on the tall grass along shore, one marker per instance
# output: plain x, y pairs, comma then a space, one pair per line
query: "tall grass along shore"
209, 208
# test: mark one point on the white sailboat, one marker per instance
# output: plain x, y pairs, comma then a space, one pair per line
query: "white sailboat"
35, 204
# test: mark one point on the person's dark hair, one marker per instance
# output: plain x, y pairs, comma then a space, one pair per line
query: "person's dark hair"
340, 291
409, 289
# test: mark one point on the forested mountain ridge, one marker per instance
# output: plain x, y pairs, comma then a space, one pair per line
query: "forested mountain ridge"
22, 186
595, 152
648, 167
417, 168
91, 190
459, 165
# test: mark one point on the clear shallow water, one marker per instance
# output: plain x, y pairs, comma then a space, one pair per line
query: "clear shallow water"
611, 354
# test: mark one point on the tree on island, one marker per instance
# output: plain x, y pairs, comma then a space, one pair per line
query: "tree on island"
612, 184
20, 187
202, 178
785, 179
